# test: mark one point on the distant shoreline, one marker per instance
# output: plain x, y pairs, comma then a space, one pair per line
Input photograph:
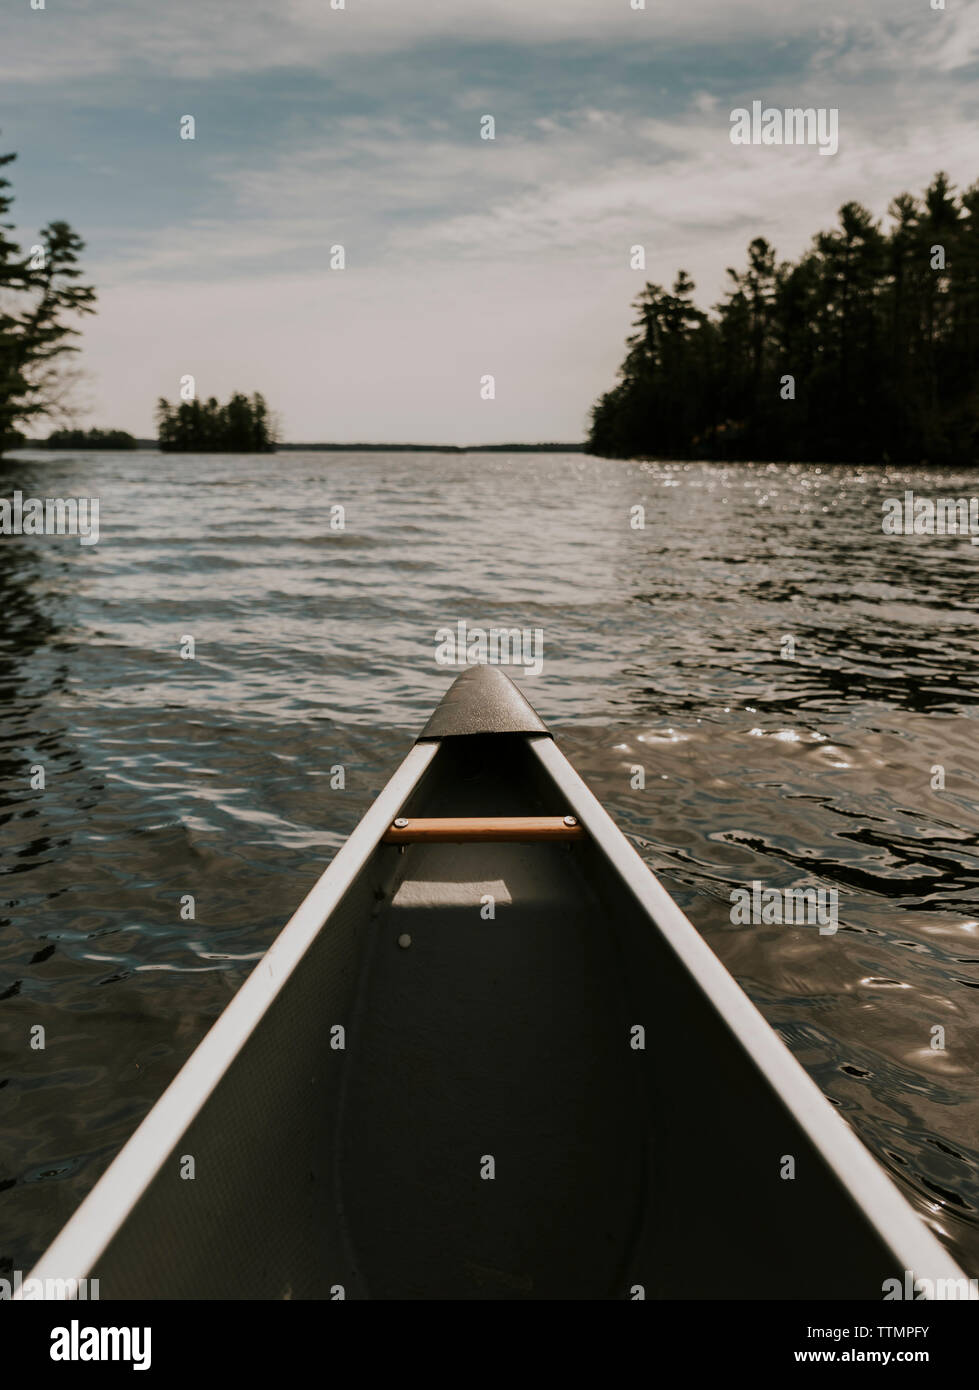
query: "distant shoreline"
144, 444
442, 448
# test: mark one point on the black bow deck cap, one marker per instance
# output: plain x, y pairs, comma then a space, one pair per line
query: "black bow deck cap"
483, 700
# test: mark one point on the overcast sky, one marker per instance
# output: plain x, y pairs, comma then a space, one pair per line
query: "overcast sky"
465, 257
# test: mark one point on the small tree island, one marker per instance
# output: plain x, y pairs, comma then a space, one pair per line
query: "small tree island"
243, 426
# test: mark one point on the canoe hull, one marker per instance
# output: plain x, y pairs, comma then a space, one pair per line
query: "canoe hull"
433, 1086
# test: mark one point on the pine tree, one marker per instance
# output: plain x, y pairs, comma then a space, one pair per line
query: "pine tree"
37, 292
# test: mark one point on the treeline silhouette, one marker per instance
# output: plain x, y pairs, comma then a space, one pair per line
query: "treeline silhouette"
243, 426
90, 439
39, 293
866, 349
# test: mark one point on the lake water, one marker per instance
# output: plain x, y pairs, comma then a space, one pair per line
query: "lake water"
663, 648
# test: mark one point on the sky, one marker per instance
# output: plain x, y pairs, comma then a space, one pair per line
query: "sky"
465, 258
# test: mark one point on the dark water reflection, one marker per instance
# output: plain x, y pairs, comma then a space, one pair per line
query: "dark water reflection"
315, 647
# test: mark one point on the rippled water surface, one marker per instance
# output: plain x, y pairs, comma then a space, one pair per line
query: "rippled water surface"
315, 647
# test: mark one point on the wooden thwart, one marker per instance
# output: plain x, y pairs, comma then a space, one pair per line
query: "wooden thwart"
453, 829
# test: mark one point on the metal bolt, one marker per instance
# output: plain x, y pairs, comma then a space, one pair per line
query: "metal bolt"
570, 820
404, 940
400, 823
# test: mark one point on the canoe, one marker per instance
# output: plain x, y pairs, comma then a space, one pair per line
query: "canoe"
490, 1058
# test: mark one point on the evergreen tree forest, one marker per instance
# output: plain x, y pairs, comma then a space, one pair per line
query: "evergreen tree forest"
866, 349
243, 426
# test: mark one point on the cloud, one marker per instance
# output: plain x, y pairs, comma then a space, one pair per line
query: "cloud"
924, 42
188, 40
958, 46
590, 185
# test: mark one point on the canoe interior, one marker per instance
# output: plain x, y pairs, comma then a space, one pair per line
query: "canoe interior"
506, 1038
